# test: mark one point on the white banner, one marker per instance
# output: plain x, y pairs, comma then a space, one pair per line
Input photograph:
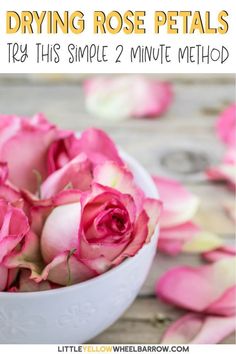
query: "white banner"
170, 36
117, 348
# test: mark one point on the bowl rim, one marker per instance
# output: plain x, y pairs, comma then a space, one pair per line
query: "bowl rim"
136, 166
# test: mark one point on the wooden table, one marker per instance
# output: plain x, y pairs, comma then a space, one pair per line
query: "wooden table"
181, 145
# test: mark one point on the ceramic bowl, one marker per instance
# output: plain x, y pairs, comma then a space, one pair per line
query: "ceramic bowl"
77, 313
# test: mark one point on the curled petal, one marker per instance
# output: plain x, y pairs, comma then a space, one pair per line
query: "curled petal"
61, 151
179, 205
74, 175
197, 289
153, 210
13, 228
118, 177
65, 269
28, 285
139, 239
199, 329
98, 146
28, 257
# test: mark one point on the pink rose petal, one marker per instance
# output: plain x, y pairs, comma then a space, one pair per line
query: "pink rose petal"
141, 234
226, 171
3, 172
33, 138
28, 285
121, 97
28, 257
153, 209
198, 289
199, 329
13, 228
120, 178
219, 253
98, 146
172, 239
66, 270
74, 175
61, 231
226, 125
179, 205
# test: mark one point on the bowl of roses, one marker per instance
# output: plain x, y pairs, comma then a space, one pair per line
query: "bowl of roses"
78, 231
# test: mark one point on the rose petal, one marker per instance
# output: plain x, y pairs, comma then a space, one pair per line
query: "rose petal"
61, 231
172, 239
28, 257
3, 172
76, 174
121, 97
153, 210
28, 285
33, 139
199, 329
219, 253
226, 125
120, 178
139, 239
198, 288
98, 146
61, 151
202, 242
13, 228
224, 172
155, 98
179, 205
66, 270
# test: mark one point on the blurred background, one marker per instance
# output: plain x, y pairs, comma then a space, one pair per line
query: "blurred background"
180, 143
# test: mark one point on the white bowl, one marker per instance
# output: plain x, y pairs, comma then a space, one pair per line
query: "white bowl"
77, 313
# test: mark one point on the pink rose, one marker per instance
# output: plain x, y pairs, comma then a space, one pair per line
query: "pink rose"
23, 145
14, 227
95, 143
107, 224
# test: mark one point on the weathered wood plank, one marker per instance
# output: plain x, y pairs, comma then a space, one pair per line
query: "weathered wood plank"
64, 102
71, 78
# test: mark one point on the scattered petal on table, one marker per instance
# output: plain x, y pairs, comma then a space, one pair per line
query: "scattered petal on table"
219, 253
118, 98
198, 289
172, 239
202, 242
199, 329
179, 205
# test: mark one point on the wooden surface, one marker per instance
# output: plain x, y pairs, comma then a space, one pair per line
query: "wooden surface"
181, 145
